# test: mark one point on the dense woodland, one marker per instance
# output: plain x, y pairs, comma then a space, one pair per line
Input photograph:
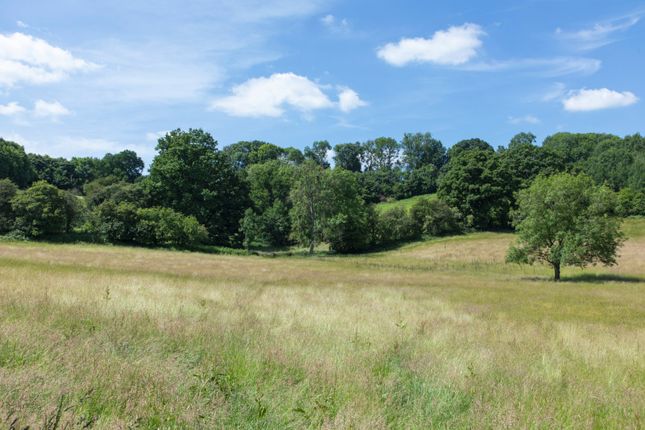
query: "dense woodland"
260, 195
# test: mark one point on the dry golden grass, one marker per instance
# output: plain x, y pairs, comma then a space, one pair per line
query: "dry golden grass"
434, 335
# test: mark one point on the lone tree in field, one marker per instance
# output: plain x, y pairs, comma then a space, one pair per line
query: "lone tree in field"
565, 220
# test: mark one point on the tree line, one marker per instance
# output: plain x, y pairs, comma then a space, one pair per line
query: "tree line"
258, 194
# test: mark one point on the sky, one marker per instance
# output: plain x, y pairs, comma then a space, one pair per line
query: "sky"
81, 78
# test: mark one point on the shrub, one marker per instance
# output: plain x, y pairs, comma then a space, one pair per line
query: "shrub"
115, 222
395, 225
8, 191
630, 202
436, 218
41, 209
164, 226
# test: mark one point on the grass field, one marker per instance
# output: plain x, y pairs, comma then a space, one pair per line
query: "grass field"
404, 203
438, 334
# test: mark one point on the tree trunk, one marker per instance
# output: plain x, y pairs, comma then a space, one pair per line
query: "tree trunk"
311, 247
556, 272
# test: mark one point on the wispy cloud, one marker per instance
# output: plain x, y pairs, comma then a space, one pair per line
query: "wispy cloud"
11, 109
526, 119
598, 35
335, 25
544, 67
597, 99
454, 46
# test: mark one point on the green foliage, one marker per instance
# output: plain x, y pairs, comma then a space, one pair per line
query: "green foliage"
317, 153
309, 205
125, 165
346, 225
191, 176
421, 150
110, 188
164, 226
269, 187
246, 153
8, 191
422, 180
468, 145
380, 185
115, 222
630, 202
523, 160
348, 156
566, 220
41, 209
380, 153
395, 225
14, 164
479, 185
436, 218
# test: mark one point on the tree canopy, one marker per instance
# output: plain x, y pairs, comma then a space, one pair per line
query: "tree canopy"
566, 220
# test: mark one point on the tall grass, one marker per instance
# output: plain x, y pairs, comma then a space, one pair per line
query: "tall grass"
434, 335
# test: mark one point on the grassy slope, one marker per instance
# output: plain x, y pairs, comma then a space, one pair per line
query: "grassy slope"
435, 334
404, 203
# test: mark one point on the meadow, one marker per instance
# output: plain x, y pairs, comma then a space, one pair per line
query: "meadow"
435, 334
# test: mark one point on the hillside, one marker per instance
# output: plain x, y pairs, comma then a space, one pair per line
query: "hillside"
403, 203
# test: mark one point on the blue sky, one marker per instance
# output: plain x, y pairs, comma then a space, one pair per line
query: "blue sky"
85, 78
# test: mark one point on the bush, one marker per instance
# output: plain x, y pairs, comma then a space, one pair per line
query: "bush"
115, 222
8, 191
395, 225
41, 209
436, 218
164, 226
630, 202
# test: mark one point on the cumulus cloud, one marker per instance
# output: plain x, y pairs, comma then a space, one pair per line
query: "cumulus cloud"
598, 35
27, 59
349, 100
269, 96
53, 110
454, 46
526, 119
10, 109
596, 99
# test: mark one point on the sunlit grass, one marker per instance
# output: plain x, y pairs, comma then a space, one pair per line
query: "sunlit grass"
436, 334
403, 203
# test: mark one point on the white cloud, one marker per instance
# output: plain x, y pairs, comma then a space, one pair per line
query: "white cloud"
10, 109
335, 25
53, 110
526, 119
349, 100
603, 98
268, 96
27, 59
21, 24
454, 46
599, 35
